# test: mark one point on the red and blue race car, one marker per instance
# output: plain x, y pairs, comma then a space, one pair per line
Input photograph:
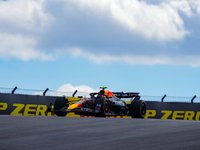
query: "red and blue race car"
103, 103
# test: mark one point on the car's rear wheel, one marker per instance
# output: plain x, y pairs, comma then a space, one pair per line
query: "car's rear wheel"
59, 103
138, 109
103, 106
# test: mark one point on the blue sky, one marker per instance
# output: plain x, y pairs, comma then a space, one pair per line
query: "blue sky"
151, 47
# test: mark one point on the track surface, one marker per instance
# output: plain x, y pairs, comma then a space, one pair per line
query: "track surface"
31, 132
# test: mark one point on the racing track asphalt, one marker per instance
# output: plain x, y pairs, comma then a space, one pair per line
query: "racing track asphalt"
31, 132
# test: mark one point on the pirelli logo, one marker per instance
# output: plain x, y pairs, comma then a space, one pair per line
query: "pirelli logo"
175, 115
26, 109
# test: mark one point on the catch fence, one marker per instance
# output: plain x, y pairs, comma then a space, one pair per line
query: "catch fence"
48, 92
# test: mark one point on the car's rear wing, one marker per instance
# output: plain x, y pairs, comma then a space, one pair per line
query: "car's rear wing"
125, 95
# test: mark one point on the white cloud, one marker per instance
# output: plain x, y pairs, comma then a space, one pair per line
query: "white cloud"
26, 24
182, 5
161, 22
190, 60
19, 21
196, 5
69, 89
21, 47
25, 14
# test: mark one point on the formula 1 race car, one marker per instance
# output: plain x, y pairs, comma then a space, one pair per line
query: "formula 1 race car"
102, 104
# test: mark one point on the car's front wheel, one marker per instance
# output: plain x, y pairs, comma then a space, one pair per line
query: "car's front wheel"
102, 105
59, 103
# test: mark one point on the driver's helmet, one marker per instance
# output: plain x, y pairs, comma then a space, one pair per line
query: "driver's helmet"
102, 93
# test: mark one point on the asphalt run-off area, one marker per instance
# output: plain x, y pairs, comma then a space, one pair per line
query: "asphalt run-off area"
73, 133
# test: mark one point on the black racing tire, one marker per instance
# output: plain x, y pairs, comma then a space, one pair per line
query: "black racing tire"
59, 103
105, 107
137, 109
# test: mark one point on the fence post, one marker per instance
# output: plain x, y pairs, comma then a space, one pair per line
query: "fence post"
163, 98
74, 93
14, 90
45, 91
193, 98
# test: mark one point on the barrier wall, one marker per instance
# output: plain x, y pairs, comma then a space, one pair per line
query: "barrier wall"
173, 110
16, 104
30, 105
